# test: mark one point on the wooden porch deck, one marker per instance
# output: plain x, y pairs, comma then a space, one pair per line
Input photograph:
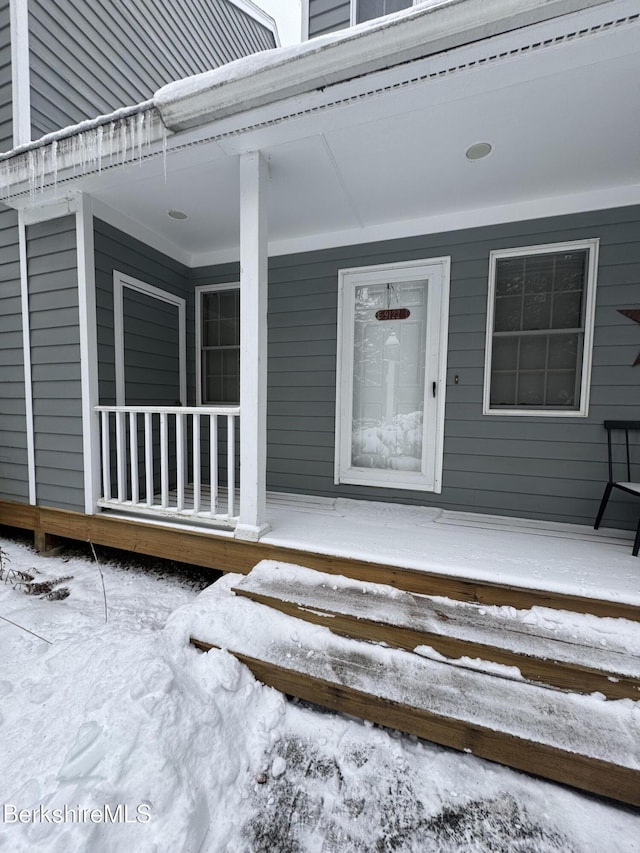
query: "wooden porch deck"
311, 532
433, 576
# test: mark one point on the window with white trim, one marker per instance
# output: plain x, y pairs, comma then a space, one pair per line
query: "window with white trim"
540, 329
218, 342
367, 10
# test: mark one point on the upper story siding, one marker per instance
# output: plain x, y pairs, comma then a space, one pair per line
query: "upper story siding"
326, 16
6, 122
89, 59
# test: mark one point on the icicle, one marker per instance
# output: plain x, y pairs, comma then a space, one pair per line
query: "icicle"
123, 143
90, 148
164, 151
99, 135
131, 127
54, 162
41, 166
78, 153
141, 128
32, 173
111, 135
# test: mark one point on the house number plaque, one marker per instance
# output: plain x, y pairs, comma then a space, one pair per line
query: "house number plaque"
393, 314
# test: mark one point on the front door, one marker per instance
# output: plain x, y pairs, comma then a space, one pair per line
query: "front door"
391, 374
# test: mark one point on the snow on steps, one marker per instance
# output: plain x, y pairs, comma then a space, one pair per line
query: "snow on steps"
581, 740
575, 652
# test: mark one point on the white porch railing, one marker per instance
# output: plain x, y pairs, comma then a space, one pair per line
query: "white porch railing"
170, 461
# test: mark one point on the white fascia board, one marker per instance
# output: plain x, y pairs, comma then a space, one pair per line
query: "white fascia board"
258, 15
276, 75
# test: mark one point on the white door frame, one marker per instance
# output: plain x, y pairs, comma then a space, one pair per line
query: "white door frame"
120, 281
429, 478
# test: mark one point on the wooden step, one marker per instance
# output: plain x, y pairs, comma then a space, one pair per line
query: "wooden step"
583, 741
466, 634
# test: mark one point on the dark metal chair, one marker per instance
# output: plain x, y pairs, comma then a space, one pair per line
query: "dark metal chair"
628, 486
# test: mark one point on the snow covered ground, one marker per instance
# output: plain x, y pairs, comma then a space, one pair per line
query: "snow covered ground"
99, 714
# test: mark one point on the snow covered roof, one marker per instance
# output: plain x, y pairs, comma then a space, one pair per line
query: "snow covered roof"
428, 82
278, 74
414, 33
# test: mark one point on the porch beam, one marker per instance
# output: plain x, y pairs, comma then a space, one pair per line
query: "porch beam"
252, 521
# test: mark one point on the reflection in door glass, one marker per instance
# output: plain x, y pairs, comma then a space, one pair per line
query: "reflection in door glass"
389, 376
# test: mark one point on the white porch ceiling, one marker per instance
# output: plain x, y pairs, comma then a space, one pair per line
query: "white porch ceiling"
564, 123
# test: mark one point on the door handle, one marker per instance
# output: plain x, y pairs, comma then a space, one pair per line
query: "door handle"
433, 388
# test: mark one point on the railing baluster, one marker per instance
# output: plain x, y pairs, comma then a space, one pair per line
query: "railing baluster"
133, 453
106, 456
121, 461
231, 462
180, 459
196, 463
164, 462
148, 457
213, 462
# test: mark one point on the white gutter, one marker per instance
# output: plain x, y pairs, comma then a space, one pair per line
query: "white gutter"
271, 76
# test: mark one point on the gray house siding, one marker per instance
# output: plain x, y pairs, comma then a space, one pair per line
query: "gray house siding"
6, 100
89, 59
115, 250
151, 357
55, 363
13, 442
550, 468
325, 16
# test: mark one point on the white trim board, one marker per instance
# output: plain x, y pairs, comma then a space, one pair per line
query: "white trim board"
120, 281
259, 15
20, 72
88, 328
26, 349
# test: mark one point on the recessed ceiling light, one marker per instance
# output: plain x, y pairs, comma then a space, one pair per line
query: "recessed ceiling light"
478, 151
177, 214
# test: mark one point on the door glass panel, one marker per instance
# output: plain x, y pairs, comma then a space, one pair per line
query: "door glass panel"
389, 375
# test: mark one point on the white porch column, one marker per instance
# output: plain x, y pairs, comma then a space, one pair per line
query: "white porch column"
253, 346
88, 352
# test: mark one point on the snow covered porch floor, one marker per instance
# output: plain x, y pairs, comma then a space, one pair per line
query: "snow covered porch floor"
519, 555
465, 556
